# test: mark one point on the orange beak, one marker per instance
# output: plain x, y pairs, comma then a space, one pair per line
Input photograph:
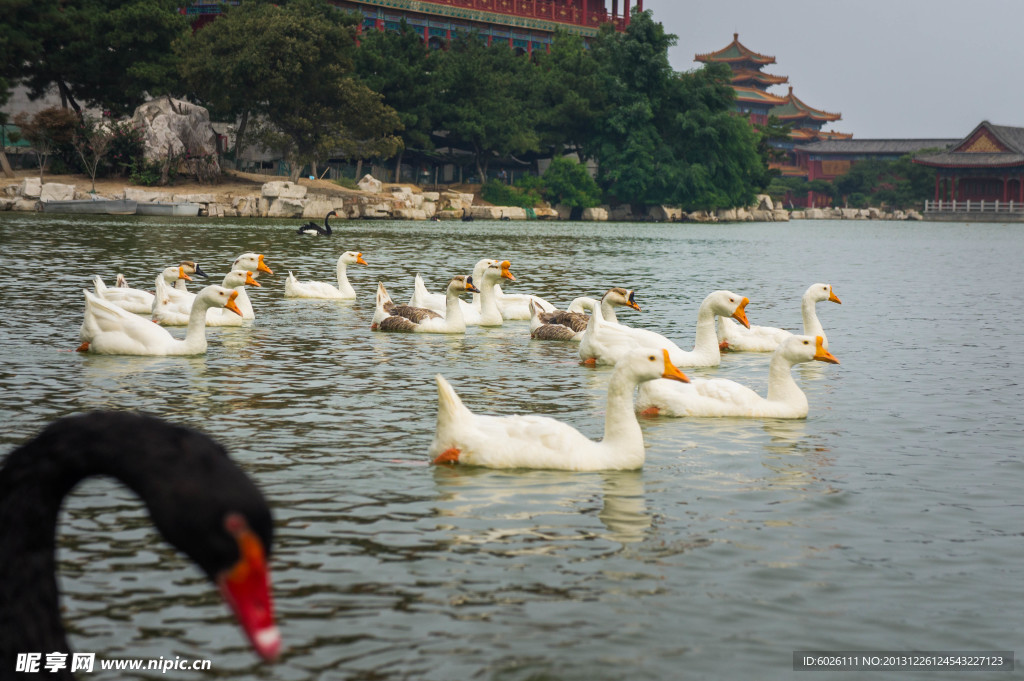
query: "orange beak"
245, 587
182, 275
505, 273
359, 259
231, 303
252, 282
833, 297
671, 371
262, 266
740, 314
821, 354
632, 303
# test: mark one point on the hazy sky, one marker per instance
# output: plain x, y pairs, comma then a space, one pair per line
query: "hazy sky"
892, 68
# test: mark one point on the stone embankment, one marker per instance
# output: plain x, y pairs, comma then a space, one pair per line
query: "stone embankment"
373, 200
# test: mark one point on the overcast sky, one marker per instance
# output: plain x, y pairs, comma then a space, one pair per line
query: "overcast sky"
892, 68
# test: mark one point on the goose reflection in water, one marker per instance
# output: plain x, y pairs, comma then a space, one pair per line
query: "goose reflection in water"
527, 507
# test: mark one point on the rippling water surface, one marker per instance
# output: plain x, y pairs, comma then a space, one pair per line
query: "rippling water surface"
890, 519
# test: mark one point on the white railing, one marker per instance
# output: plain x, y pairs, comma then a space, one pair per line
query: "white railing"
973, 207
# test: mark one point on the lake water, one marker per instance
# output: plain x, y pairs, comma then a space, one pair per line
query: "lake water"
890, 519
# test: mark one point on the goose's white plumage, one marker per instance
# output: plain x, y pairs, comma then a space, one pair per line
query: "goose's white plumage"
110, 330
134, 299
722, 397
533, 441
422, 297
605, 343
252, 262
516, 306
452, 322
293, 288
168, 314
767, 338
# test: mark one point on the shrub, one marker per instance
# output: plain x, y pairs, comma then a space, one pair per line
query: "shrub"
568, 183
503, 195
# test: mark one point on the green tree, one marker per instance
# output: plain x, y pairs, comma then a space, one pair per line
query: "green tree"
668, 137
294, 65
568, 182
569, 98
96, 52
399, 66
484, 107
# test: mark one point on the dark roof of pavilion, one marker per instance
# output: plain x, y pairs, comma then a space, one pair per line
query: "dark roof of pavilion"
987, 146
876, 146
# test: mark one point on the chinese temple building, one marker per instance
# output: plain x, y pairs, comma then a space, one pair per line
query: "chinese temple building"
984, 168
828, 159
751, 83
525, 25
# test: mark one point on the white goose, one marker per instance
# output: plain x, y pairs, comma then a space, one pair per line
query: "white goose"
250, 262
405, 318
722, 397
293, 288
516, 306
767, 338
605, 343
165, 312
533, 441
422, 297
110, 330
134, 299
571, 324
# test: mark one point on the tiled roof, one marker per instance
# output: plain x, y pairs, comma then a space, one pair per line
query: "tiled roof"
795, 109
981, 149
743, 75
877, 146
735, 52
753, 94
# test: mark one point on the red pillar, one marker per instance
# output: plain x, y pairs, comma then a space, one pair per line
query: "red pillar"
586, 12
615, 9
1006, 188
936, 186
626, 10
639, 5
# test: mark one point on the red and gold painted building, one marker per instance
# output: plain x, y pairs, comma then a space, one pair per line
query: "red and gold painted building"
751, 83
525, 25
987, 165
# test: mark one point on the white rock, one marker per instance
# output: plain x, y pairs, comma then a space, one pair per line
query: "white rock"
175, 127
55, 191
279, 189
597, 214
431, 196
30, 188
370, 184
285, 208
143, 196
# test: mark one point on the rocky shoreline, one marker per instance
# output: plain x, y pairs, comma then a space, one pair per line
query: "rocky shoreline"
374, 200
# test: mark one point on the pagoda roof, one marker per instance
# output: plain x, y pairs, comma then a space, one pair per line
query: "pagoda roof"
753, 94
735, 52
987, 146
766, 79
876, 146
795, 109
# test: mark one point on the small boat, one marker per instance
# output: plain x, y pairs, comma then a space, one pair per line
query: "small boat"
185, 209
91, 206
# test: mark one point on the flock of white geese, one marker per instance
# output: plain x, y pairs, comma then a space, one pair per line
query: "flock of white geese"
646, 378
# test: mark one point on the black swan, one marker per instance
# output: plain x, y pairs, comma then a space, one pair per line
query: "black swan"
198, 499
466, 217
313, 228
503, 217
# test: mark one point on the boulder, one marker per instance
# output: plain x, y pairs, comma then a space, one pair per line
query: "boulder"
598, 214
30, 188
176, 129
431, 196
727, 214
246, 206
143, 196
285, 208
780, 215
764, 202
319, 206
370, 184
55, 191
283, 190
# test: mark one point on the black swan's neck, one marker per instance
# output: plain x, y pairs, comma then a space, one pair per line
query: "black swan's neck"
179, 474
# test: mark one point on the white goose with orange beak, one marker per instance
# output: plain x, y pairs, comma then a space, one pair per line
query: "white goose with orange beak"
293, 288
605, 343
110, 330
167, 313
722, 397
533, 441
766, 338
